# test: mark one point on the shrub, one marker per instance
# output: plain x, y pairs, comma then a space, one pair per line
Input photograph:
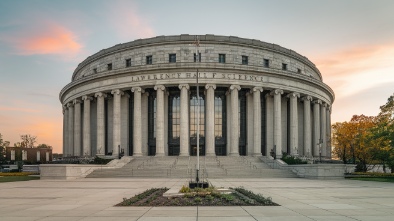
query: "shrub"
291, 160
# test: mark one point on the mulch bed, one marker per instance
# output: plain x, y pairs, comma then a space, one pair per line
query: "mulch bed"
239, 197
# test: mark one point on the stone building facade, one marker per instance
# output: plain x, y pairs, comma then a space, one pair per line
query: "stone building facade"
255, 99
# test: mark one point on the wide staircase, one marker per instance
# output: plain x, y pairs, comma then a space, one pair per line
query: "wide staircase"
185, 167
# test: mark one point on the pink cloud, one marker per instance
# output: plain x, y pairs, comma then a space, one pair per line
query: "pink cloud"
17, 109
129, 23
50, 38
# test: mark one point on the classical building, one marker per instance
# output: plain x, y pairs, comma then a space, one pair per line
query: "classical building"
29, 155
140, 97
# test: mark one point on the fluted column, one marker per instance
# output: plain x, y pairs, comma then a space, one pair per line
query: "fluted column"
160, 120
307, 126
137, 122
329, 132
316, 127
184, 112
86, 126
277, 93
234, 148
324, 130
65, 130
77, 127
210, 120
116, 122
100, 123
293, 123
70, 129
257, 120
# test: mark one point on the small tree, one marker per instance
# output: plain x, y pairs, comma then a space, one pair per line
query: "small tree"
3, 145
28, 141
44, 146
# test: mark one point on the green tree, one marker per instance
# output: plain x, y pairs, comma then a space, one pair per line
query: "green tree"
3, 145
44, 146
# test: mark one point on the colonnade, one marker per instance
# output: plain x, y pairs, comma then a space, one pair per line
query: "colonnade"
316, 127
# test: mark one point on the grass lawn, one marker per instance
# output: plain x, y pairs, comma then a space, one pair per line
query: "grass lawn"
17, 178
379, 179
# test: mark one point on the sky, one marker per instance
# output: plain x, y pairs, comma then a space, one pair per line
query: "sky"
42, 42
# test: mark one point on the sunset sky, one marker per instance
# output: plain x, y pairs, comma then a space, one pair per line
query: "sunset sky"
42, 42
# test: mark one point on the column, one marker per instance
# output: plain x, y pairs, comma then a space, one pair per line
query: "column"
293, 123
324, 130
77, 128
329, 132
269, 106
116, 122
277, 93
228, 120
234, 145
316, 127
137, 122
86, 126
257, 120
65, 130
100, 123
160, 120
307, 126
210, 120
70, 129
184, 112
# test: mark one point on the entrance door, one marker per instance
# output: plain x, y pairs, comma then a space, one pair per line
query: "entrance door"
195, 102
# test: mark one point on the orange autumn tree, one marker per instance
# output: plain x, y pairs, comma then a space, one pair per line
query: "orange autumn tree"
352, 140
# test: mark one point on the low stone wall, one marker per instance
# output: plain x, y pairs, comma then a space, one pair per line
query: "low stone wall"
312, 171
75, 171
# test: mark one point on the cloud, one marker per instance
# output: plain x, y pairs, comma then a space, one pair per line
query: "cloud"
128, 22
46, 38
18, 109
351, 70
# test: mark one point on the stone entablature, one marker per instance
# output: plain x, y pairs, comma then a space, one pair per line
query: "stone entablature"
210, 47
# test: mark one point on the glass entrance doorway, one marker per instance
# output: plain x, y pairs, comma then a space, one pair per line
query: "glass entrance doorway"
193, 121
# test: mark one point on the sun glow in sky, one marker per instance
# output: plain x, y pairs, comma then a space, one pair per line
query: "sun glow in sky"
42, 42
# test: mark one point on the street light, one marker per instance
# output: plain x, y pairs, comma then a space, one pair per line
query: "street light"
319, 145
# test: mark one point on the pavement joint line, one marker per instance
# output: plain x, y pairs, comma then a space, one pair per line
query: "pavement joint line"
145, 213
249, 213
197, 214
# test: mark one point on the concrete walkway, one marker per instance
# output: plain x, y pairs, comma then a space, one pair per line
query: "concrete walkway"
93, 199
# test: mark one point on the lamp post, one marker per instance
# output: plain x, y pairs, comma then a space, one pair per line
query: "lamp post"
319, 145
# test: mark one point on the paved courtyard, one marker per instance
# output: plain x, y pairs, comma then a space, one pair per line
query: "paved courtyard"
93, 199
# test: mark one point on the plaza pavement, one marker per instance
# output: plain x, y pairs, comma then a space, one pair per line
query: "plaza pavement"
93, 199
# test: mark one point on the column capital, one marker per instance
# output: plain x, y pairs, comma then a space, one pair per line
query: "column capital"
64, 108
235, 86
77, 101
117, 92
139, 89
84, 98
317, 101
159, 87
185, 86
70, 104
276, 91
306, 98
100, 94
207, 86
257, 89
293, 94
325, 105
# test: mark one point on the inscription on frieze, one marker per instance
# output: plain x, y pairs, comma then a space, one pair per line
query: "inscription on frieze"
201, 75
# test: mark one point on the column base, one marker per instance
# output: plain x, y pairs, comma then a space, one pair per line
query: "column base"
137, 154
159, 155
234, 155
210, 154
257, 155
184, 154
278, 156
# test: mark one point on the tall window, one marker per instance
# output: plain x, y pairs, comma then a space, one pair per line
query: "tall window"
149, 59
218, 117
193, 116
109, 66
172, 58
176, 118
244, 59
222, 58
284, 66
298, 71
128, 62
199, 57
266, 63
